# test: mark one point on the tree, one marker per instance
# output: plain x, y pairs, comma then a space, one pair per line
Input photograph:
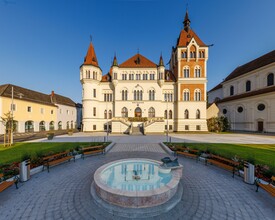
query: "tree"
218, 124
10, 127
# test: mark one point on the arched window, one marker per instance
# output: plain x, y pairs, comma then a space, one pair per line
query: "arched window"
197, 95
140, 95
170, 114
186, 114
186, 72
29, 126
165, 114
135, 95
124, 112
186, 95
68, 125
184, 54
151, 95
231, 90
60, 125
151, 112
42, 126
124, 95
198, 114
138, 112
51, 125
270, 79
197, 72
105, 114
110, 114
248, 86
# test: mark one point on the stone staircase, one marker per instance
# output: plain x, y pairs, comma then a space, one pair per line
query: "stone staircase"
136, 131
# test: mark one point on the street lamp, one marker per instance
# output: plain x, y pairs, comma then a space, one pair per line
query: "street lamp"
167, 118
11, 115
107, 124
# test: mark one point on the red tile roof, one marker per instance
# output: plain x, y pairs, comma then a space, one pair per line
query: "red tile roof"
185, 38
25, 94
252, 65
90, 58
138, 61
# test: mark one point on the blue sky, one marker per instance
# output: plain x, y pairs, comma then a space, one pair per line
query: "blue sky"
43, 43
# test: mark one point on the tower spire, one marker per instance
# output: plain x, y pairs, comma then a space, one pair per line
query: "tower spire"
186, 21
115, 61
161, 60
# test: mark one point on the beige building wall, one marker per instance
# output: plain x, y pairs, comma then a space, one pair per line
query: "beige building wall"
212, 111
37, 113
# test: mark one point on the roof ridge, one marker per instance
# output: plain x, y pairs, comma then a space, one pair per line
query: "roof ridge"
7, 85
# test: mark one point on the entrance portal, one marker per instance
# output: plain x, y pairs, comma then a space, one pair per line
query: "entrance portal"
138, 112
260, 126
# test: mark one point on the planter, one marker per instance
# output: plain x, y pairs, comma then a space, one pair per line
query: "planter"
50, 136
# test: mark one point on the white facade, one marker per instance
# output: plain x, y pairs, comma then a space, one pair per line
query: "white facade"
140, 93
248, 99
66, 117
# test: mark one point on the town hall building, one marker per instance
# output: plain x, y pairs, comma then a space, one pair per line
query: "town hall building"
141, 95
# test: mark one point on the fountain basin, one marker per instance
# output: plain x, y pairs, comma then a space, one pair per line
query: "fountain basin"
136, 183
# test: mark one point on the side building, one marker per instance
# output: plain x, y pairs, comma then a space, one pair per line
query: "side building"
139, 94
34, 111
247, 95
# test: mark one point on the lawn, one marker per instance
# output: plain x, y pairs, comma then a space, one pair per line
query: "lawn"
261, 153
15, 153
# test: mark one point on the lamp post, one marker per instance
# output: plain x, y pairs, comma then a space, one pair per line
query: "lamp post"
11, 140
167, 118
107, 124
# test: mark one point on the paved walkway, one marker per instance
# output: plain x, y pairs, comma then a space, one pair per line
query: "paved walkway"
199, 138
64, 193
137, 147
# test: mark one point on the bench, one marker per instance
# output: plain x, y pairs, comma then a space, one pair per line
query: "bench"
270, 188
224, 163
56, 159
5, 184
92, 150
188, 153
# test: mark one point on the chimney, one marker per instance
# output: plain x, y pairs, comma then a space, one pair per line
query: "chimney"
52, 94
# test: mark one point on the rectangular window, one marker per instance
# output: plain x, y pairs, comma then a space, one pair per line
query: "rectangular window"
186, 127
52, 112
29, 109
170, 127
42, 110
152, 76
111, 97
94, 127
13, 107
94, 111
105, 97
94, 93
138, 77
198, 127
165, 127
145, 76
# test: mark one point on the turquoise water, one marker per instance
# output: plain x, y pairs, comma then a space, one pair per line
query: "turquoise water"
135, 176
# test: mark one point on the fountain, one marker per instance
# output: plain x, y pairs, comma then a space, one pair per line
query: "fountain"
137, 183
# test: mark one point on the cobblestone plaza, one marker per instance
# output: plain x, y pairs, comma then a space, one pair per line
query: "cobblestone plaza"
64, 193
